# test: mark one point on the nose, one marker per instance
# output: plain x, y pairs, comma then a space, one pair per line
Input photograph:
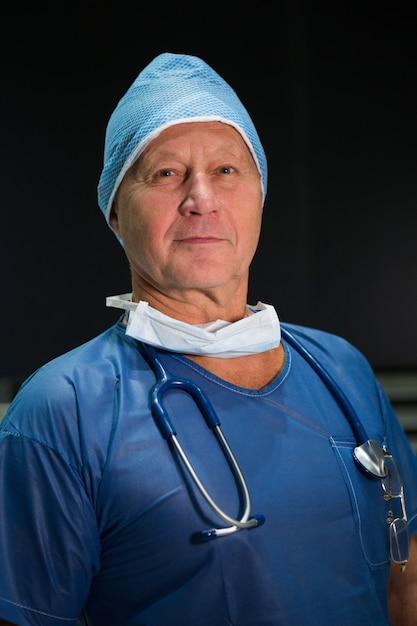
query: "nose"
199, 197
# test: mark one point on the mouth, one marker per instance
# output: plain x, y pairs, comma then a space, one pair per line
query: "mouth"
198, 239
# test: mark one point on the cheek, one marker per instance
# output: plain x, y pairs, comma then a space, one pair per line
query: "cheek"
252, 238
133, 227
143, 240
254, 228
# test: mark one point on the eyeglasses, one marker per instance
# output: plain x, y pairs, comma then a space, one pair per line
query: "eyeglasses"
399, 534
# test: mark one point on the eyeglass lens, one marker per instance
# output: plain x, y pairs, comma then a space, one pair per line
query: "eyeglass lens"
399, 534
392, 483
399, 540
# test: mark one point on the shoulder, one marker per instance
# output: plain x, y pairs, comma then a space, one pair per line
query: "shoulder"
76, 383
339, 359
97, 357
328, 346
340, 363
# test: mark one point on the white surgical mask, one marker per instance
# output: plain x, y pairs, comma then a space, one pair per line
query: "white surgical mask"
258, 332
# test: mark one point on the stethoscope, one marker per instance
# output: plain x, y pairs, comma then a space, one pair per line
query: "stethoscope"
368, 454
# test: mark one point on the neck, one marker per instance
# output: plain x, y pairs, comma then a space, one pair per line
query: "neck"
196, 307
251, 372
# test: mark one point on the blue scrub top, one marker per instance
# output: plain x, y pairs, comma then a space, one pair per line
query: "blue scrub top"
100, 519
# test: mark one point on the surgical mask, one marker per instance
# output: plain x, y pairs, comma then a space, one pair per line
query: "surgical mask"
258, 332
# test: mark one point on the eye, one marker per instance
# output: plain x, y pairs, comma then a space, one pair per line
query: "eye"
164, 173
226, 169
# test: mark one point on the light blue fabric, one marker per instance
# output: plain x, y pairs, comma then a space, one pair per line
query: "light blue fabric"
173, 88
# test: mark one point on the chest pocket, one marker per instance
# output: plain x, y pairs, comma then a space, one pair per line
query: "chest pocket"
368, 505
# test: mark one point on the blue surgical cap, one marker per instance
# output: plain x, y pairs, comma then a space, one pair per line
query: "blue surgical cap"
172, 89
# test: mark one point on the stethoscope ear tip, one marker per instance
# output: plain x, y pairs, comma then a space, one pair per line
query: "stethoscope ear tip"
213, 533
207, 535
260, 521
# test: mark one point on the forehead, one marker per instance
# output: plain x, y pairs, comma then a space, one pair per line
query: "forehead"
219, 133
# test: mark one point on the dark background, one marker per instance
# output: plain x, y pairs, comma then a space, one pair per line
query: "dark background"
332, 90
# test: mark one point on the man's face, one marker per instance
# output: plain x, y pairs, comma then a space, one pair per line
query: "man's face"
189, 210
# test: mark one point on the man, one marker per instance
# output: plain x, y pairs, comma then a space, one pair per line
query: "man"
120, 506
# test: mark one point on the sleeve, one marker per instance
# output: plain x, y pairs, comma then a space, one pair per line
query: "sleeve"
49, 541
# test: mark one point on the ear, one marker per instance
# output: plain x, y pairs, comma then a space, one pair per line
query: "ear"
114, 218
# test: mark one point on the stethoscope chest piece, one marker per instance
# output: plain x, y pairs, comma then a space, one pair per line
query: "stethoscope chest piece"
369, 457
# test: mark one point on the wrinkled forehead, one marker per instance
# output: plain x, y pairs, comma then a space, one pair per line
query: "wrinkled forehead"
177, 140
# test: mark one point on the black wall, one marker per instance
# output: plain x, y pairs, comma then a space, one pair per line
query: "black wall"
333, 93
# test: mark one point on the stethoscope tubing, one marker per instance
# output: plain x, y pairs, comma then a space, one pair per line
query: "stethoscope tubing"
368, 454
164, 384
344, 402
